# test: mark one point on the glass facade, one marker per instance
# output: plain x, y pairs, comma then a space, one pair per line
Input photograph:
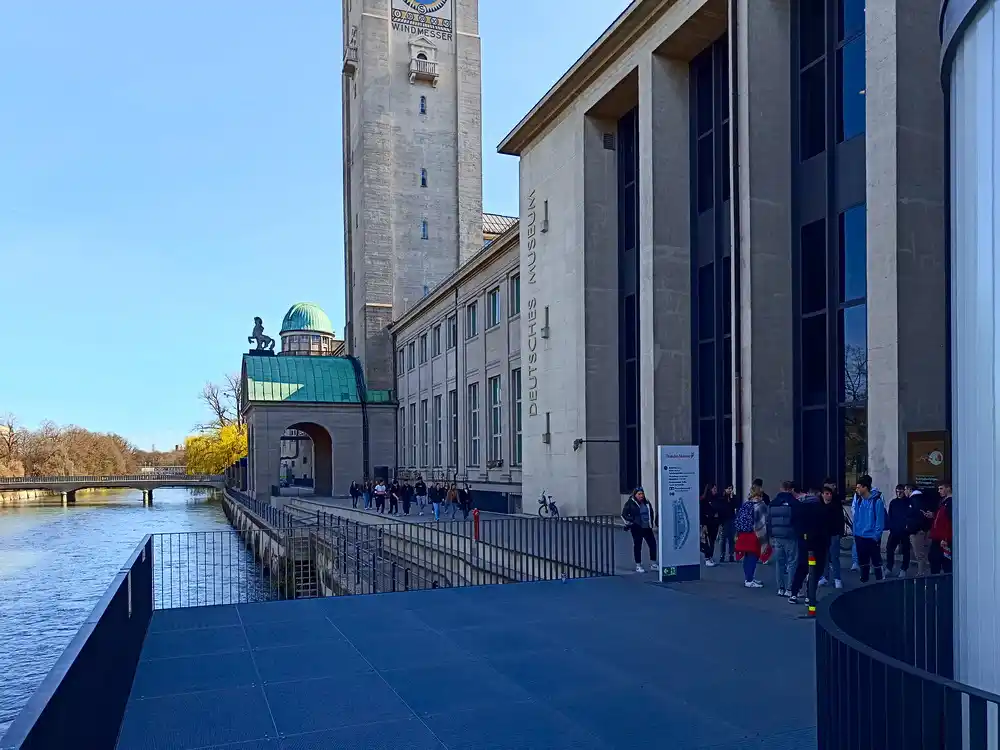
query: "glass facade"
712, 277
628, 300
830, 254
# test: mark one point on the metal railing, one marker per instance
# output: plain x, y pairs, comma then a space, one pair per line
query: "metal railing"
119, 478
885, 668
269, 514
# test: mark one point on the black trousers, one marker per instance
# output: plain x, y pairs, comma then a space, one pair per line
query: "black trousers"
708, 548
869, 557
638, 535
380, 503
393, 504
820, 549
935, 556
406, 505
900, 542
354, 501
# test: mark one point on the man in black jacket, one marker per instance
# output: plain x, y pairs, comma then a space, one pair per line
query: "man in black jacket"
640, 520
420, 490
813, 529
923, 506
898, 521
784, 539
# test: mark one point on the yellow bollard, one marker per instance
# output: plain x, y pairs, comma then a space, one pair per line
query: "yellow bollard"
812, 578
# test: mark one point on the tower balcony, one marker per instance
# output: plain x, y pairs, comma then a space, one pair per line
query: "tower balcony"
423, 70
350, 60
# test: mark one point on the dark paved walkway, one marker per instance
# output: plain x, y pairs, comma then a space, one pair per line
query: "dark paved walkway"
598, 663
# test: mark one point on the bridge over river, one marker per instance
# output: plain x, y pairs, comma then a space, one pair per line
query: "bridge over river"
148, 482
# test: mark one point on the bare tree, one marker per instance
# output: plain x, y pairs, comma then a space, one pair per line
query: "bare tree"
223, 402
10, 436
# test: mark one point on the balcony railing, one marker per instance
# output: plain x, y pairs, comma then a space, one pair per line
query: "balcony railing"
885, 668
423, 70
350, 60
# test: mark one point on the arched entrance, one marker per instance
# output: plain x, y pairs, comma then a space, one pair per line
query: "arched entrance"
318, 457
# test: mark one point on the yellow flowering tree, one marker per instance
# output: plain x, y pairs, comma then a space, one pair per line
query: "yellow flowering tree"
214, 451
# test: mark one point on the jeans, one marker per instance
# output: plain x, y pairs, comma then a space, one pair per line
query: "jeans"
454, 509
833, 559
869, 557
638, 536
749, 566
902, 542
786, 556
421, 503
368, 500
854, 554
727, 540
819, 549
437, 510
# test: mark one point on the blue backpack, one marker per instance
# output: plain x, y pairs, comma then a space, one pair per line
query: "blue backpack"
744, 518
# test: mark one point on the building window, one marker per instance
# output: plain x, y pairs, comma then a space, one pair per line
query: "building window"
402, 434
438, 434
423, 178
436, 340
453, 418
411, 351
424, 232
413, 434
515, 417
514, 295
471, 320
850, 87
493, 307
473, 424
452, 331
401, 360
424, 430
496, 417
423, 105
423, 348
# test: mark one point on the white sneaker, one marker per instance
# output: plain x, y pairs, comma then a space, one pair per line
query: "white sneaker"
654, 568
838, 584
639, 569
756, 581
822, 581
753, 584
855, 567
710, 563
782, 592
902, 574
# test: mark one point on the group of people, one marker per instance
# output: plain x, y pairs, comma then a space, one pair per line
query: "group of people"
438, 498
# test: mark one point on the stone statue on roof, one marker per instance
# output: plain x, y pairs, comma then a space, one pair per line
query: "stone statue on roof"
264, 342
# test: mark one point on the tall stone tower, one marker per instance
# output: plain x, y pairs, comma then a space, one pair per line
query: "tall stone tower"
412, 111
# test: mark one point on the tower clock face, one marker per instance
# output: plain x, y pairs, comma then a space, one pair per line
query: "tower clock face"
430, 6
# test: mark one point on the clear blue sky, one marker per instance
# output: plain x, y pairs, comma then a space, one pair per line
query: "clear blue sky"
170, 170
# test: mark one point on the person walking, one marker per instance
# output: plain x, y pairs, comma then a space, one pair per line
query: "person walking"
451, 496
407, 496
812, 528
923, 506
835, 527
869, 522
380, 493
355, 494
940, 534
465, 500
637, 513
751, 535
420, 489
394, 495
727, 523
784, 540
897, 521
436, 495
709, 511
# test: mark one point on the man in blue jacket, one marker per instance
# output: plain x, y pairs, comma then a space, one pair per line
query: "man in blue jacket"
869, 522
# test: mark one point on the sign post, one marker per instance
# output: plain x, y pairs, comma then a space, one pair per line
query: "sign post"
677, 503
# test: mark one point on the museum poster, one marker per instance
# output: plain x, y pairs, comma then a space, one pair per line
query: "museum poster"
677, 490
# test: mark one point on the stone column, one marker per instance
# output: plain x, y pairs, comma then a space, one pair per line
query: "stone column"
907, 307
763, 180
664, 259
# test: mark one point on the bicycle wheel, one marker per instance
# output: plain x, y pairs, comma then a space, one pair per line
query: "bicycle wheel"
543, 510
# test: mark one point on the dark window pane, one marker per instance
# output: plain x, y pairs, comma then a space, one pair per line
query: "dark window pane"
706, 380
722, 75
854, 426
854, 355
706, 172
727, 452
727, 292
812, 30
813, 362
812, 112
853, 254
851, 89
706, 451
812, 267
632, 458
703, 91
724, 172
628, 215
814, 442
629, 330
706, 302
727, 376
851, 19
631, 393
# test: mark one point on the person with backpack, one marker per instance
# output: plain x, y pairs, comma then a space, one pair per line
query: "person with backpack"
640, 520
751, 535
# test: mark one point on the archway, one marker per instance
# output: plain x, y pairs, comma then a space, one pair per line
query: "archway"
321, 458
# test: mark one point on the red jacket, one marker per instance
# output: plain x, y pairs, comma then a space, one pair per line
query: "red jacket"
941, 527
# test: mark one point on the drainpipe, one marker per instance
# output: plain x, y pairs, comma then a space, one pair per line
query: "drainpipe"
734, 232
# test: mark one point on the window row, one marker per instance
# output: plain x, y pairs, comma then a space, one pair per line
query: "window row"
428, 449
307, 344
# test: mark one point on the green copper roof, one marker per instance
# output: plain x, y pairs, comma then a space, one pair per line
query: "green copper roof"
324, 380
305, 316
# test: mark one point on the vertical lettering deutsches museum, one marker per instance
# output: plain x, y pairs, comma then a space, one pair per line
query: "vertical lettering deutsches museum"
531, 258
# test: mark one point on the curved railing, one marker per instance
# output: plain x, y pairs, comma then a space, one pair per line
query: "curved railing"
885, 667
119, 478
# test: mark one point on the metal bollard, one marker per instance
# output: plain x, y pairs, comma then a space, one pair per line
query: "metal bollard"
406, 579
374, 582
812, 585
475, 524
394, 576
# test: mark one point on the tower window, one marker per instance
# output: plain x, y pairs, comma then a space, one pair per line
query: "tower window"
423, 105
423, 229
421, 56
423, 178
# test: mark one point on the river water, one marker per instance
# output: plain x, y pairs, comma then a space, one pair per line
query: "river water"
56, 562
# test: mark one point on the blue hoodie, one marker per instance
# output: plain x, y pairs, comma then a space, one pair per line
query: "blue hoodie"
869, 515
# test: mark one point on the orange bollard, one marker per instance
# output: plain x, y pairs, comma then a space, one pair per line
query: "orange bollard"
475, 524
813, 584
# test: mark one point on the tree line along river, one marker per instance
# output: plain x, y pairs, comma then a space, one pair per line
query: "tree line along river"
56, 562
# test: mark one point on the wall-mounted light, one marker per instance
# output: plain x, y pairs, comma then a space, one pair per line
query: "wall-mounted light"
545, 216
547, 435
545, 323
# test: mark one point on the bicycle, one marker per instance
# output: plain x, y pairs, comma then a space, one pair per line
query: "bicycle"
547, 506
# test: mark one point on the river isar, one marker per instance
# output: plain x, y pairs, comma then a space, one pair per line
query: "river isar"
56, 562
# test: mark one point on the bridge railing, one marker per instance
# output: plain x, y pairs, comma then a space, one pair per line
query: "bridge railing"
118, 478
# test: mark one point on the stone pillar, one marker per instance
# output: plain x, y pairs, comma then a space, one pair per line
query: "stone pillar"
664, 260
765, 404
905, 193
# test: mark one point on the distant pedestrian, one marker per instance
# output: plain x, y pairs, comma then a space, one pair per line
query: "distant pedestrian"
465, 500
727, 520
923, 507
835, 528
813, 530
436, 496
751, 536
420, 489
407, 494
640, 520
380, 494
366, 493
783, 537
355, 494
869, 522
897, 521
395, 492
451, 500
764, 497
940, 555
709, 511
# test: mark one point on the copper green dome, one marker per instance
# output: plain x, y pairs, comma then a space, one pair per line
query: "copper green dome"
305, 316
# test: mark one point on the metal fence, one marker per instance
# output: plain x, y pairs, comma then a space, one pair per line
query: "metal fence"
270, 514
119, 478
325, 555
884, 672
